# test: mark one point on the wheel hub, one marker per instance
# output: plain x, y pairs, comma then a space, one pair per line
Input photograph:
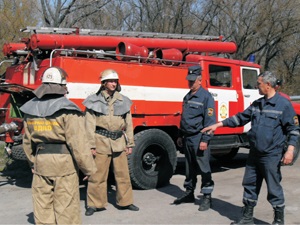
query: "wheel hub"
149, 158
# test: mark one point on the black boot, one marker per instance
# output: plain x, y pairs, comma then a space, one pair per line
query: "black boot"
206, 203
187, 197
90, 211
278, 215
247, 217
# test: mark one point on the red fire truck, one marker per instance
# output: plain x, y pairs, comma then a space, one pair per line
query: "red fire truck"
152, 69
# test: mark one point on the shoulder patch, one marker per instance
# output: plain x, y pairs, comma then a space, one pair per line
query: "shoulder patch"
296, 121
210, 111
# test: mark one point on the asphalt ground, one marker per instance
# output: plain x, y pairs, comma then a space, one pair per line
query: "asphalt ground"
156, 205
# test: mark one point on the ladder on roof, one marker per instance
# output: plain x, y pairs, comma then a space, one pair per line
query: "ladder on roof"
52, 30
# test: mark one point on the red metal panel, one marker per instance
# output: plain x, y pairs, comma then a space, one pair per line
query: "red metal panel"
148, 113
151, 75
296, 106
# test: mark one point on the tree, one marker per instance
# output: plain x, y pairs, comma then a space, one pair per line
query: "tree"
67, 13
15, 15
268, 29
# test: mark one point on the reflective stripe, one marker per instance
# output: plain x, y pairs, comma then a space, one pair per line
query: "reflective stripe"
279, 206
253, 109
250, 200
295, 132
266, 111
208, 188
197, 103
272, 111
236, 120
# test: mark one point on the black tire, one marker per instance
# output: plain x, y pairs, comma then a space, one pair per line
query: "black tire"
17, 152
153, 159
230, 154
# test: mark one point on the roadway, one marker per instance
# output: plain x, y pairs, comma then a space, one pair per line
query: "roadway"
155, 205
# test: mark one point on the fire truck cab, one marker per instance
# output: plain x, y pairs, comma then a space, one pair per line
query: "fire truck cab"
152, 68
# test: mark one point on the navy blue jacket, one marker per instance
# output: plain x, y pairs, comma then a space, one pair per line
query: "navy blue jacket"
197, 112
272, 120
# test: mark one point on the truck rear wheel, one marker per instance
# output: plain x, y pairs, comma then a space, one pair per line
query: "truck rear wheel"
153, 159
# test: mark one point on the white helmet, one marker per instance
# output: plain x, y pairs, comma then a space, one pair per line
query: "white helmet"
54, 75
109, 74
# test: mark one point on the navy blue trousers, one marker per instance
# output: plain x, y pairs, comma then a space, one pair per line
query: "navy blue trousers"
259, 168
197, 161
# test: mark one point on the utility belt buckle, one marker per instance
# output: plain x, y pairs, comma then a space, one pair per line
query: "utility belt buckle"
114, 135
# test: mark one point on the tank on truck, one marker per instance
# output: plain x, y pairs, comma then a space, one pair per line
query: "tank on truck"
101, 54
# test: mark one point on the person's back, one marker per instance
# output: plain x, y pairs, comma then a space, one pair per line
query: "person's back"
55, 148
60, 135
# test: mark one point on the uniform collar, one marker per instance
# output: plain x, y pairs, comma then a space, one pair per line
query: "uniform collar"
197, 94
273, 100
109, 98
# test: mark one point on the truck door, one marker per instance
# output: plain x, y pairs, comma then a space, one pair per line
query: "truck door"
225, 89
250, 92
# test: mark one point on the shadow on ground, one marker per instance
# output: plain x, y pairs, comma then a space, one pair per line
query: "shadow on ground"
30, 218
217, 166
16, 172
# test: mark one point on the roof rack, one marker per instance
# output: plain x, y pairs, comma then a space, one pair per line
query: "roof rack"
52, 30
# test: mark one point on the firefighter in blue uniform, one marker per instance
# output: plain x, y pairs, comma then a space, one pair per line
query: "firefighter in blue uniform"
273, 122
197, 113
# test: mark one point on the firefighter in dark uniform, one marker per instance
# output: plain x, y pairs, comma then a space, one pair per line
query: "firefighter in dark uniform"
198, 112
273, 122
55, 145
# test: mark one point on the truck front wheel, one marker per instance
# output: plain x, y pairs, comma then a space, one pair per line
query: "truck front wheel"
153, 159
17, 152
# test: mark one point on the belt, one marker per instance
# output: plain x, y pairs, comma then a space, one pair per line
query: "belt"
52, 148
114, 135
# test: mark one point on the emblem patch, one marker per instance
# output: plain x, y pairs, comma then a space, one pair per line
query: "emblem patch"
210, 111
223, 111
296, 121
49, 76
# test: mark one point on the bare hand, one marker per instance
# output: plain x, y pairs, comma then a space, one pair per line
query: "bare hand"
93, 151
288, 156
203, 146
211, 129
128, 151
85, 178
